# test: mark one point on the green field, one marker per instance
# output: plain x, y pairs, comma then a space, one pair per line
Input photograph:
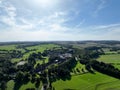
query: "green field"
41, 48
7, 47
87, 82
80, 67
10, 85
112, 58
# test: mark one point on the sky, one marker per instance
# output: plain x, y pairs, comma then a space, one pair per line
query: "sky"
59, 20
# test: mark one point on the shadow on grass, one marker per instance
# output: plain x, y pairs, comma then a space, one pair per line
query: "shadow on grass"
66, 78
17, 86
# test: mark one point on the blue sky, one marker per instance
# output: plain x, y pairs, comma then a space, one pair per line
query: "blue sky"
51, 20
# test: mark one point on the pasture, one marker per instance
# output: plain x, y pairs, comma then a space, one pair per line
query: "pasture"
111, 58
87, 81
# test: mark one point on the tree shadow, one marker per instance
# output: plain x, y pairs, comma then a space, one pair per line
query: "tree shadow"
17, 85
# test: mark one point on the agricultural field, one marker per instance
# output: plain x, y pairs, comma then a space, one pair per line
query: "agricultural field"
7, 47
88, 81
37, 48
112, 58
41, 48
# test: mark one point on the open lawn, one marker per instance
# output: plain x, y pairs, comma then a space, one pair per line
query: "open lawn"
86, 82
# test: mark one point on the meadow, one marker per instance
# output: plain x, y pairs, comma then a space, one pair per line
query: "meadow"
110, 58
87, 81
7, 47
113, 59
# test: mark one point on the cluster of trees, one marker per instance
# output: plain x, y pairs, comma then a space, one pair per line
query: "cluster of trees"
88, 59
57, 54
105, 68
114, 48
16, 54
32, 57
24, 77
62, 71
12, 53
6, 70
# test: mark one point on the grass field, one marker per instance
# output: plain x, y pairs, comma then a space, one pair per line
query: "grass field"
10, 85
41, 61
29, 85
86, 82
112, 58
7, 47
113, 85
80, 67
41, 48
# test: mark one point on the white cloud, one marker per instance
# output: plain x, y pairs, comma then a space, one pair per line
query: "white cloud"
9, 17
45, 35
101, 6
8, 20
30, 26
11, 10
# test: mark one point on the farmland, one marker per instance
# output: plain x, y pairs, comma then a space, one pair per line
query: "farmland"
112, 58
60, 66
87, 82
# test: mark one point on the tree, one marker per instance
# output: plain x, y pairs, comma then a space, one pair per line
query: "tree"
37, 84
3, 85
19, 77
